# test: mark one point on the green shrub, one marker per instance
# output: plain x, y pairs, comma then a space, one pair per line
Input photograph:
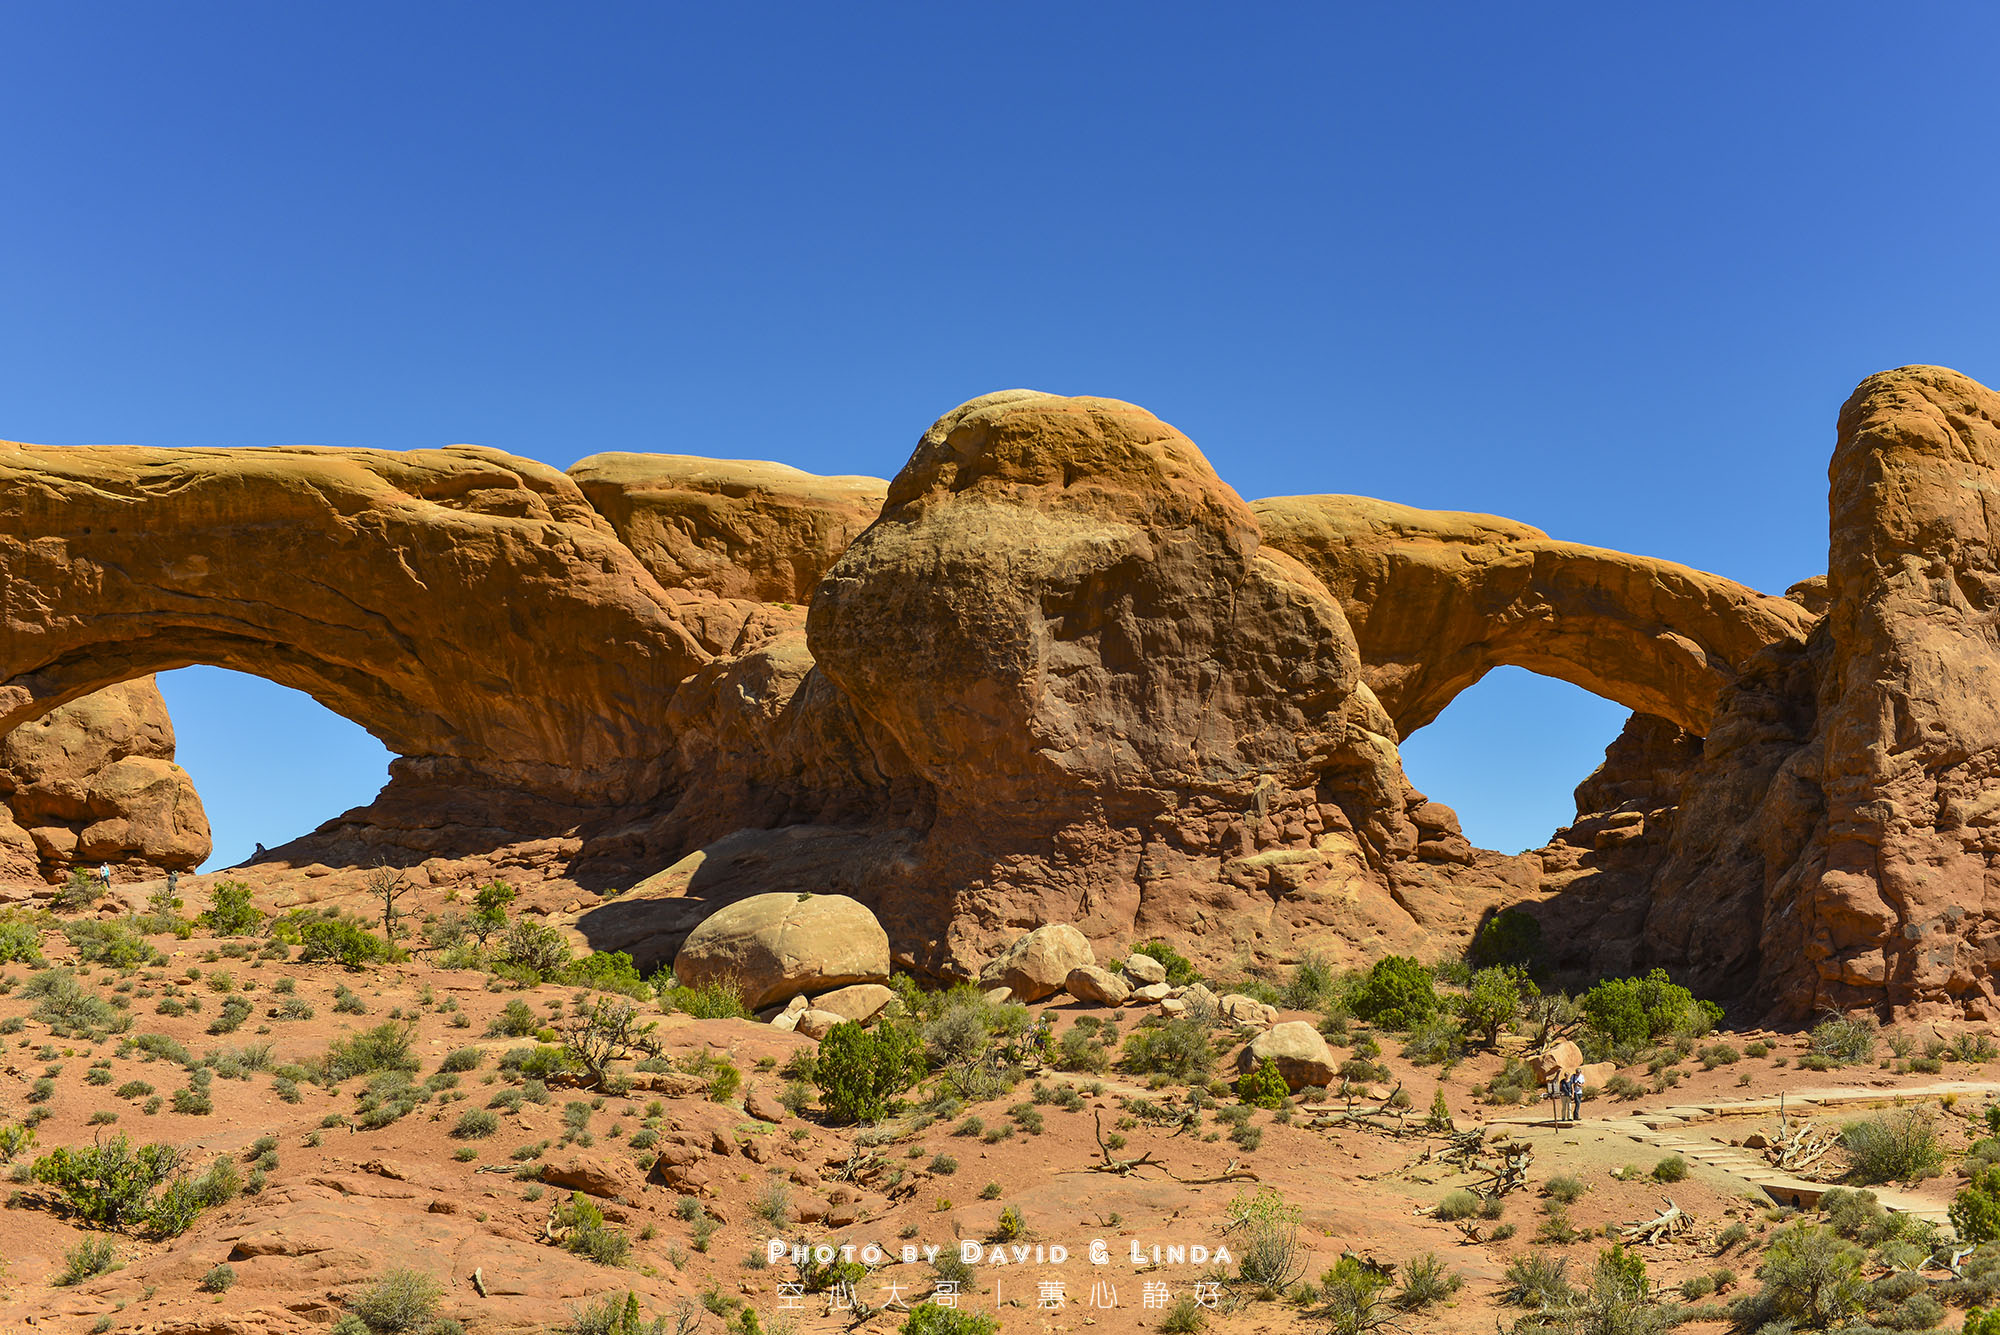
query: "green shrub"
935, 1319
220, 1279
386, 1047
607, 971
859, 1071
1313, 984
1564, 1187
342, 941
1625, 1014
20, 940
1491, 1002
536, 948
1263, 1087
475, 1124
1845, 1040
111, 944
87, 1260
1353, 1300
1509, 937
1179, 1048
70, 1009
80, 891
710, 1001
231, 913
461, 1059
1811, 1278
1426, 1281
1894, 1147
1457, 1205
515, 1020
402, 1301
1975, 1209
581, 1227
1398, 993
1539, 1282
114, 1186
1673, 1168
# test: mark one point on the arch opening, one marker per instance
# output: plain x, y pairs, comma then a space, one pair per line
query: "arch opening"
270, 762
1508, 753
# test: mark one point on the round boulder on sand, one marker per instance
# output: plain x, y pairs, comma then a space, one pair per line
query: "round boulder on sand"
776, 946
860, 1003
1300, 1054
1239, 1009
1144, 969
1037, 965
819, 1023
1087, 982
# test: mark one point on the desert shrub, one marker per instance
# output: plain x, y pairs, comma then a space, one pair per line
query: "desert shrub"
87, 1260
114, 1186
1673, 1168
937, 1319
1565, 1188
1398, 993
1312, 986
1263, 1087
1894, 1147
1085, 1049
231, 913
1352, 1300
960, 1030
860, 1070
402, 1301
710, 1001
111, 944
614, 1316
70, 1009
235, 1010
475, 1124
1718, 1054
1180, 969
1457, 1205
1492, 1001
582, 1229
220, 1279
386, 1047
535, 948
341, 941
1811, 1278
1845, 1039
1271, 1257
80, 891
1509, 937
20, 940
607, 971
1426, 1280
1623, 1015
1185, 1317
515, 1020
1538, 1281
1975, 1209
1178, 1048
461, 1059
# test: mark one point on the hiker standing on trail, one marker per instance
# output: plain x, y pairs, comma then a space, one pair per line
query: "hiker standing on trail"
104, 874
1575, 1091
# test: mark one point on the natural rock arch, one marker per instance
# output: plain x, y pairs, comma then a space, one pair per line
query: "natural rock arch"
467, 607
1438, 598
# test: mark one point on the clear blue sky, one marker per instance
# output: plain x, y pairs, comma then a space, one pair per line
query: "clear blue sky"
1608, 272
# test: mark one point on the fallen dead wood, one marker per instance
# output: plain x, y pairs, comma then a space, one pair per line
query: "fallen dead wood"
1670, 1222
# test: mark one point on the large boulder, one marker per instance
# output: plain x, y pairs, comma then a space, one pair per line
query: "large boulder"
861, 1003
1087, 982
776, 946
1038, 964
94, 781
1296, 1048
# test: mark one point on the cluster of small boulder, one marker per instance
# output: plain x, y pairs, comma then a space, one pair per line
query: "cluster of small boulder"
808, 962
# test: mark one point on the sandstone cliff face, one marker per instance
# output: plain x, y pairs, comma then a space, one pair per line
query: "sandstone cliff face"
93, 782
734, 528
1064, 674
1071, 630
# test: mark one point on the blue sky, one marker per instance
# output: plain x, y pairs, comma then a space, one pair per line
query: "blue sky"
1608, 273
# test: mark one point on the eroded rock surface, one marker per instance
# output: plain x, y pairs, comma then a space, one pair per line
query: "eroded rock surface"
94, 782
